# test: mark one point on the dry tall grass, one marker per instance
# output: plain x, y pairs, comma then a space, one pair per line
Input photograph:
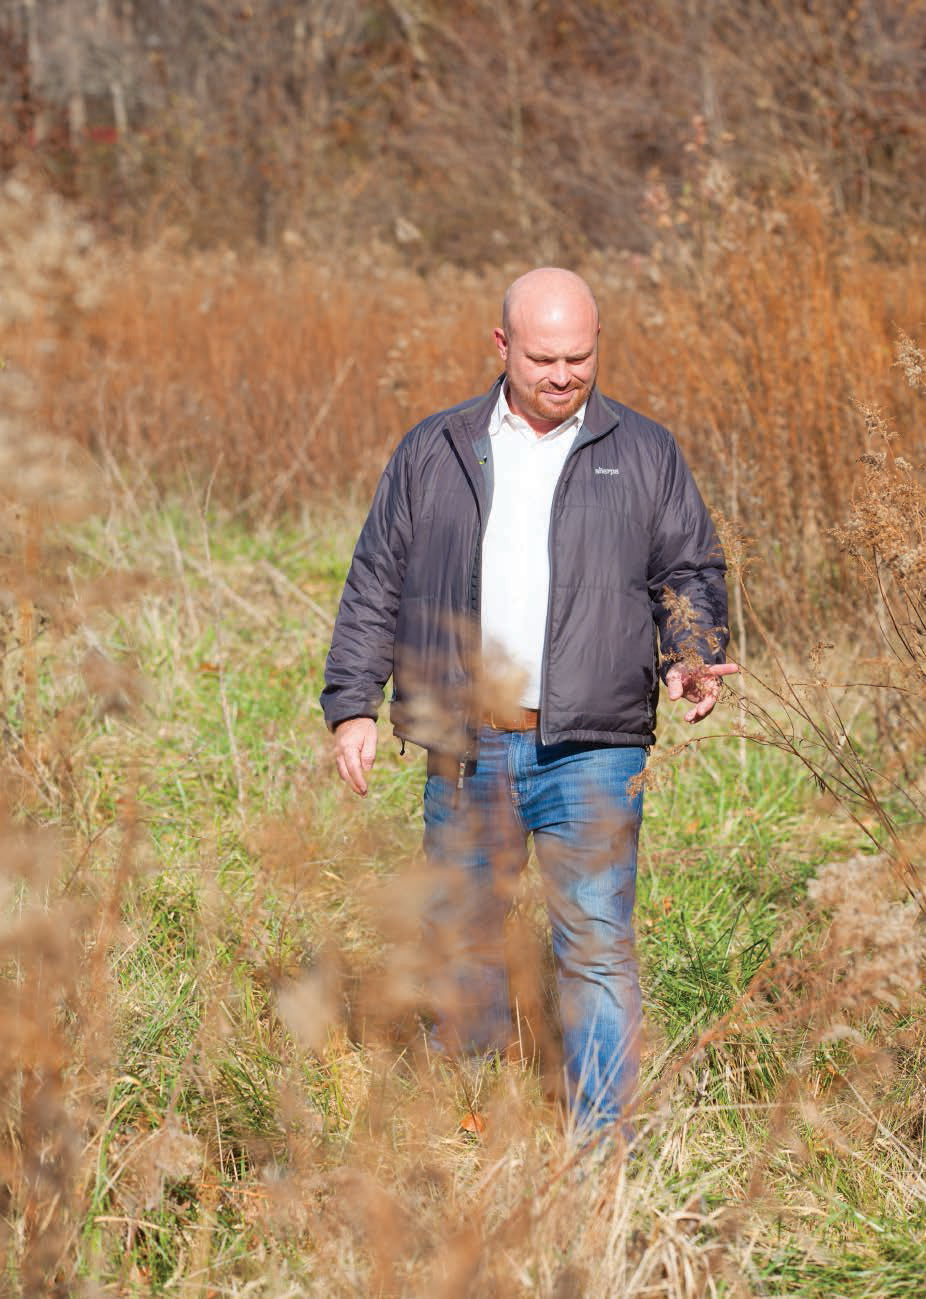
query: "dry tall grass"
748, 331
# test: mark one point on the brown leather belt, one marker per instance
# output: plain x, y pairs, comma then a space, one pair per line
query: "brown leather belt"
516, 719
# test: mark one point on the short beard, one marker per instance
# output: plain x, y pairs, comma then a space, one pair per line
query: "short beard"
562, 413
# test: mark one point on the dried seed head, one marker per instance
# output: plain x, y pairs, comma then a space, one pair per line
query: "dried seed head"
50, 474
876, 946
117, 686
309, 1006
911, 360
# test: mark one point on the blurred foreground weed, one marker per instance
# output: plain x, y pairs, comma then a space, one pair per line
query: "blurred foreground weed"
216, 1077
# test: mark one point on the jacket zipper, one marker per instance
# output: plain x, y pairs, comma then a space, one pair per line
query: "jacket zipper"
473, 605
549, 622
475, 577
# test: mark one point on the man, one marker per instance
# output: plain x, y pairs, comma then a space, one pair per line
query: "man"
548, 528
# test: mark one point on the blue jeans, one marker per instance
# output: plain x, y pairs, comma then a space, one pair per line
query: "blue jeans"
574, 799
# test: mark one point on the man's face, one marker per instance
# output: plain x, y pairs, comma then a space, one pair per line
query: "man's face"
551, 360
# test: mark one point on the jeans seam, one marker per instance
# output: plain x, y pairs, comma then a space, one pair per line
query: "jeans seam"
514, 741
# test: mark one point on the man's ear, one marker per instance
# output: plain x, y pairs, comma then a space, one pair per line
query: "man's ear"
501, 342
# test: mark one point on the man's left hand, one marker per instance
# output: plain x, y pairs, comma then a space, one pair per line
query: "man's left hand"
700, 686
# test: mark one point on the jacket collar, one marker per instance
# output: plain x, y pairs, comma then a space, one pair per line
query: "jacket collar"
601, 417
468, 427
472, 421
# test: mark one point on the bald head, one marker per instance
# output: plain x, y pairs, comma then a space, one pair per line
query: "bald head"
548, 341
550, 291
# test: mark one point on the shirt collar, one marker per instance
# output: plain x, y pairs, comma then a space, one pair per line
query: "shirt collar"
503, 417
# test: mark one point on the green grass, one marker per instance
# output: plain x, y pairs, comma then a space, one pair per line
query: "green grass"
334, 1165
893, 1267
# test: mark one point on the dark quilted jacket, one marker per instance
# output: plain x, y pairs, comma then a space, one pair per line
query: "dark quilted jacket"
627, 521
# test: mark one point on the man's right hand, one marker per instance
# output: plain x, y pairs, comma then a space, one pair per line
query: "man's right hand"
354, 751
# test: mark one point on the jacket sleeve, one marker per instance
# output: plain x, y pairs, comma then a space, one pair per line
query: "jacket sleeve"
360, 660
686, 576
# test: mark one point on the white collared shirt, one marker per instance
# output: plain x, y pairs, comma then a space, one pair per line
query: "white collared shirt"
515, 556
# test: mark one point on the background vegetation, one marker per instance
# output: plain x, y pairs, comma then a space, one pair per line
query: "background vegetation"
242, 249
